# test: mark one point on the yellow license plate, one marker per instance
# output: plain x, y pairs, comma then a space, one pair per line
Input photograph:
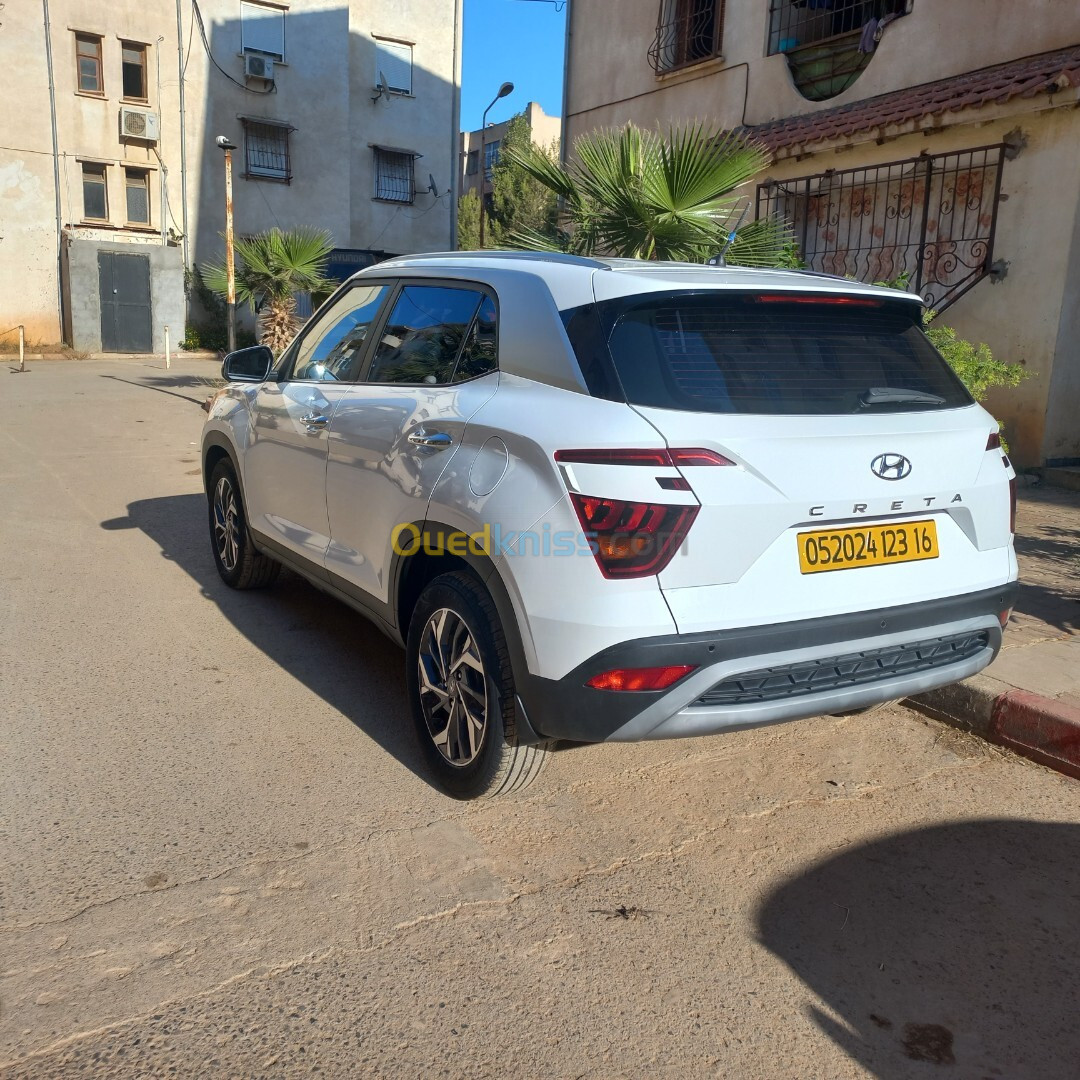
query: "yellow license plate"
867, 545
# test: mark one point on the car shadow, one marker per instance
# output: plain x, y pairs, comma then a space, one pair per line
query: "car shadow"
952, 945
334, 651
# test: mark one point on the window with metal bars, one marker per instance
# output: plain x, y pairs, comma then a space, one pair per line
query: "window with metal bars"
394, 175
687, 32
932, 218
794, 23
266, 150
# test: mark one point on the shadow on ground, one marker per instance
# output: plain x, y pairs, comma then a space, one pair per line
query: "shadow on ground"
949, 950
335, 652
152, 383
1049, 605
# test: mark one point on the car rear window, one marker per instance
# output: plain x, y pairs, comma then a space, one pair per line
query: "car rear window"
788, 353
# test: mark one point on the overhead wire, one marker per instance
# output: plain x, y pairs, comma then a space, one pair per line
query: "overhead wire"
206, 45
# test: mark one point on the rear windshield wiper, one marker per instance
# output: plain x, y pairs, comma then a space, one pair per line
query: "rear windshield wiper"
893, 395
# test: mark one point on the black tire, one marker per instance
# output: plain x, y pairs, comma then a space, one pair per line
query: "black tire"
493, 762
238, 563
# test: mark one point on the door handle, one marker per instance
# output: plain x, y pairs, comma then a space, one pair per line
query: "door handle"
315, 420
436, 440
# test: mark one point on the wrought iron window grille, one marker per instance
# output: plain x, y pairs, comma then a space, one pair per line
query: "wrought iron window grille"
795, 23
933, 217
687, 32
266, 151
394, 175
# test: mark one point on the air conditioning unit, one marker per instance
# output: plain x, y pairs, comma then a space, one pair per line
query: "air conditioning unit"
138, 124
258, 67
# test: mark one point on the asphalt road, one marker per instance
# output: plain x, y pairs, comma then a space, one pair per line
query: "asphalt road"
217, 856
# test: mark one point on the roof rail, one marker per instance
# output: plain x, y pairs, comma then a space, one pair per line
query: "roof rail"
528, 256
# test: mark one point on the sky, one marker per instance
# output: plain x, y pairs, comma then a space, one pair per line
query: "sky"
518, 41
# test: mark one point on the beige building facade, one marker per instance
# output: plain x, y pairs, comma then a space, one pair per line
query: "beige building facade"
480, 149
939, 140
344, 116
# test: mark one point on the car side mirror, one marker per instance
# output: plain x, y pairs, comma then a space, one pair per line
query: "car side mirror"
248, 365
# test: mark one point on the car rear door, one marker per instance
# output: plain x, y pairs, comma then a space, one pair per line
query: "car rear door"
432, 366
285, 463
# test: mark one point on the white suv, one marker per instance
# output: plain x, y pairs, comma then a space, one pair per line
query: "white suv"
616, 500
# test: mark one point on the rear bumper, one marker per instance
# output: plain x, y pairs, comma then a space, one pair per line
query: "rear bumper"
568, 709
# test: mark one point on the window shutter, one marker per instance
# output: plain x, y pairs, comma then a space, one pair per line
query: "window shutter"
262, 29
394, 60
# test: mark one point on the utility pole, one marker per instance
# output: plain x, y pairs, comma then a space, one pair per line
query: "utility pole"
506, 88
230, 260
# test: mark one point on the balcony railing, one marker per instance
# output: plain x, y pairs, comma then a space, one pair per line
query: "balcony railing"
687, 32
932, 218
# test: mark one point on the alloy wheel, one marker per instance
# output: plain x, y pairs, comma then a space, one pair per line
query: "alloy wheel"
453, 687
226, 524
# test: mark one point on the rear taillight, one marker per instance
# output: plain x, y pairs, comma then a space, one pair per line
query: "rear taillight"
632, 539
660, 458
1012, 505
642, 678
993, 441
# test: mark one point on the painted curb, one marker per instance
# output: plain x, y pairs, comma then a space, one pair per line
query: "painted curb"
1045, 730
1040, 728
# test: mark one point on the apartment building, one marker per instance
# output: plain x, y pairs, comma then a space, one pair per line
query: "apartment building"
937, 139
344, 115
546, 132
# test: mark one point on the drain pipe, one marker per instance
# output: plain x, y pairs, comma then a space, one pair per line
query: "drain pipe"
56, 172
163, 193
183, 133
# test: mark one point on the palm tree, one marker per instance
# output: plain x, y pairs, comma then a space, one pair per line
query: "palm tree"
633, 193
271, 267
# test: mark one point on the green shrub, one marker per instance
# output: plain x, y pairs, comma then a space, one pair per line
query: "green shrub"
976, 365
213, 337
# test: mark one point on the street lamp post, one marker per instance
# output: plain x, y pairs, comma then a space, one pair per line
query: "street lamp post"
230, 260
506, 88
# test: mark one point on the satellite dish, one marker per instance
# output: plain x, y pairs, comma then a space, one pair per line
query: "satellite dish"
382, 88
432, 187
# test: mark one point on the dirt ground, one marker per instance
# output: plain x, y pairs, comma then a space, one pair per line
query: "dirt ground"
218, 855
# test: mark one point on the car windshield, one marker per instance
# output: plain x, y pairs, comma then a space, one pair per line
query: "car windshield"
784, 353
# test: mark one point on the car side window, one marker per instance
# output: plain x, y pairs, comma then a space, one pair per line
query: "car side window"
424, 334
332, 351
481, 353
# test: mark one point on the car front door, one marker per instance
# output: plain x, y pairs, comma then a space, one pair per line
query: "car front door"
285, 464
434, 364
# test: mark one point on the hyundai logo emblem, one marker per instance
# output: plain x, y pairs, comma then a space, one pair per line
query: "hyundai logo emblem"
891, 466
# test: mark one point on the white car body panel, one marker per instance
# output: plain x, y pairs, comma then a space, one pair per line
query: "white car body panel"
377, 480
284, 468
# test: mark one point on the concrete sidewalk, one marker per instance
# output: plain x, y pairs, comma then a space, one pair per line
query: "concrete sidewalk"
1029, 699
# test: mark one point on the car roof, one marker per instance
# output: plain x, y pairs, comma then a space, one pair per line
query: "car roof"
573, 278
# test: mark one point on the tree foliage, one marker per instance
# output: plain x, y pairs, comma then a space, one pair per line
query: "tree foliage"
271, 268
519, 201
468, 227
640, 194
